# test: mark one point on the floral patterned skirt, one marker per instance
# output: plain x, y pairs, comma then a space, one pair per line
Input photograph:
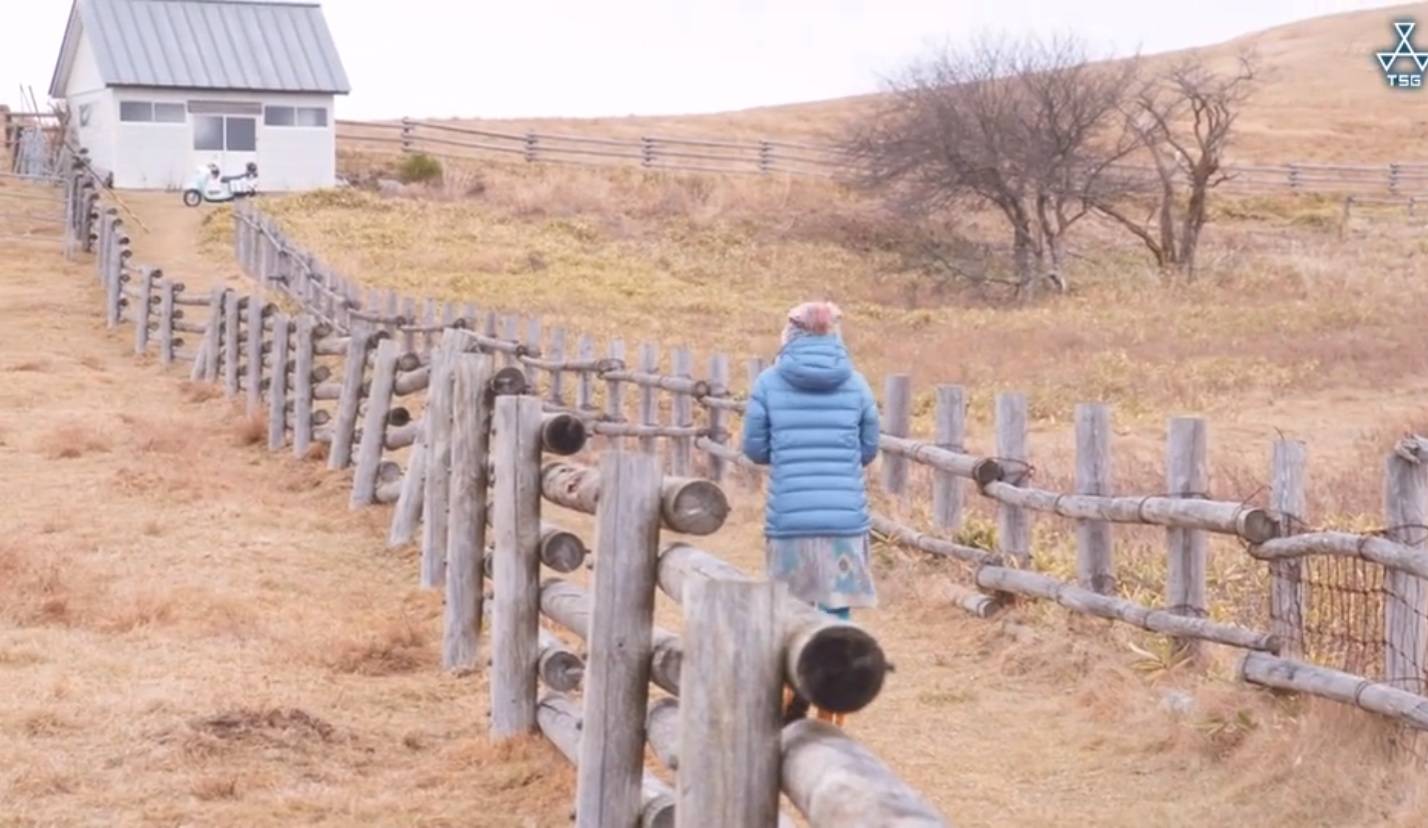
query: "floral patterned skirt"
832, 573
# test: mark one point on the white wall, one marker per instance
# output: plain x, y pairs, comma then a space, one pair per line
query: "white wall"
85, 90
160, 156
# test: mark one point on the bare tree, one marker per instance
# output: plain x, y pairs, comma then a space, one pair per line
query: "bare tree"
1184, 120
1028, 127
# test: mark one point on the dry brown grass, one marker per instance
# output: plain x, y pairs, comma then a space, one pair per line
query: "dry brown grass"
251, 430
399, 647
1280, 313
193, 632
73, 440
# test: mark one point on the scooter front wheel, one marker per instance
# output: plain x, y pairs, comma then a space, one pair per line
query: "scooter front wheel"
192, 198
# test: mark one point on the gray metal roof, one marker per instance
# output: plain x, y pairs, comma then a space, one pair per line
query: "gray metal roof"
206, 44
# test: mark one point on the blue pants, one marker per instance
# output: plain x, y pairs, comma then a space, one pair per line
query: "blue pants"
843, 614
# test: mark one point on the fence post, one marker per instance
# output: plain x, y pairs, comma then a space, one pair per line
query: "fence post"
113, 278
409, 320
429, 316
205, 363
511, 332
145, 291
897, 421
951, 434
718, 387
278, 387
302, 387
530, 145
681, 455
585, 387
1013, 522
1286, 588
230, 343
531, 342
730, 689
649, 403
436, 497
466, 529
374, 424
752, 368
1405, 598
354, 369
1186, 475
617, 667
254, 354
557, 375
406, 515
1393, 171
408, 132
101, 254
515, 623
1095, 563
615, 394
166, 323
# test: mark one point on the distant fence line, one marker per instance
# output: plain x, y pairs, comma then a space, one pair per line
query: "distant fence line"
765, 157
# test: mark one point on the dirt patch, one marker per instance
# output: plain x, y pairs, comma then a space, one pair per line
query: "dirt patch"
291, 727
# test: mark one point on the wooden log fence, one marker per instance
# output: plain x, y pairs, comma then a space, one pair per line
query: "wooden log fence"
475, 459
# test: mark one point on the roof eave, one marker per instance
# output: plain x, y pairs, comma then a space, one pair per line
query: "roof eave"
248, 89
69, 50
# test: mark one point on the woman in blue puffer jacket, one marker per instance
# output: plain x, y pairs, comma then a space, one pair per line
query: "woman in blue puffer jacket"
814, 420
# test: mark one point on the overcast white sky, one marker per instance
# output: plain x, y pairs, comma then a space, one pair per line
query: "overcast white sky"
507, 58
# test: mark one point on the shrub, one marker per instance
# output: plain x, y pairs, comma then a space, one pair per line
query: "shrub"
419, 169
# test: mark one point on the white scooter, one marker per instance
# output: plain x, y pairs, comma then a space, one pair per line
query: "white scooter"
211, 185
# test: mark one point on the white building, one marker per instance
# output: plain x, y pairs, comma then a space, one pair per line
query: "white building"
158, 88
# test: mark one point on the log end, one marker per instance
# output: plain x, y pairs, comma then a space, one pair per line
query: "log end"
508, 381
695, 507
563, 434
658, 812
1258, 526
987, 471
841, 669
562, 551
561, 670
398, 417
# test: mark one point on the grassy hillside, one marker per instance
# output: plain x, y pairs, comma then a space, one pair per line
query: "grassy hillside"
1322, 98
1286, 305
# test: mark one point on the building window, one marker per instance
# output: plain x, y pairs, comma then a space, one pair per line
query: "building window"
208, 132
170, 113
148, 112
242, 135
279, 116
303, 116
137, 112
215, 133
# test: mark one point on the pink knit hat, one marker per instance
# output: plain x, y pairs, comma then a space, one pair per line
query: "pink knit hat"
817, 318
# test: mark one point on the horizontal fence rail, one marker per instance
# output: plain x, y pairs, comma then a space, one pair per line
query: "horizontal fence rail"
765, 157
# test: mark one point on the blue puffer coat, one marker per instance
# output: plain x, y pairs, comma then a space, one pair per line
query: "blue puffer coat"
815, 420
